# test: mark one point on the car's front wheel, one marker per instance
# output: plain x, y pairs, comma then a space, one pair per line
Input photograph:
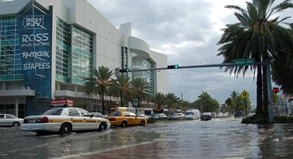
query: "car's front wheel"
103, 126
65, 129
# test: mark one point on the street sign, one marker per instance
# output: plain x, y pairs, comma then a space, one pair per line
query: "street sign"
135, 102
117, 71
243, 62
244, 94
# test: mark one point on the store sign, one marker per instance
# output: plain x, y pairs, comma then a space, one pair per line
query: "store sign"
35, 36
33, 22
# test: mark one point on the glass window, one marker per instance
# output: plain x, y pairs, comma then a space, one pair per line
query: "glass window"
116, 113
73, 112
127, 114
84, 112
132, 114
2, 116
55, 111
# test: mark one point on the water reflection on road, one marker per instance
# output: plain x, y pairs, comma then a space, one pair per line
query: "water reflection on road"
219, 138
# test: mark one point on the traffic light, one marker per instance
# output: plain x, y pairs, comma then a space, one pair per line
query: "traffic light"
276, 90
173, 66
124, 70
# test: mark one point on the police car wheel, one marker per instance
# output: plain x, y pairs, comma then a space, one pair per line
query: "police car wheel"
103, 126
65, 128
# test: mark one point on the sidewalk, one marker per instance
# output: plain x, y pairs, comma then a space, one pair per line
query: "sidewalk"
276, 144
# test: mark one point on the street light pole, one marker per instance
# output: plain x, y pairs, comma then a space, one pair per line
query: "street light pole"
182, 95
182, 99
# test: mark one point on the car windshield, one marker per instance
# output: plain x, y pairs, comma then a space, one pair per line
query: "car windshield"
97, 114
189, 113
116, 113
54, 111
176, 114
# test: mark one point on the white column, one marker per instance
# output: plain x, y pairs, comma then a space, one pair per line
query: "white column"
16, 106
75, 88
58, 86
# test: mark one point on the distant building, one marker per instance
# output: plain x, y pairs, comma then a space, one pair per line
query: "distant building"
49, 46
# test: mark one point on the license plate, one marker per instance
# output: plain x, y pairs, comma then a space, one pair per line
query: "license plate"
32, 120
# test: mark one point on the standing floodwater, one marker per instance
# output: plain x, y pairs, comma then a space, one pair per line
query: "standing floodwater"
218, 138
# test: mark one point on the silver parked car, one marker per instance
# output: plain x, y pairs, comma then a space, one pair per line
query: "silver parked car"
10, 120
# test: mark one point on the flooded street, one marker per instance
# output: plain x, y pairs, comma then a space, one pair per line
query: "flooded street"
219, 138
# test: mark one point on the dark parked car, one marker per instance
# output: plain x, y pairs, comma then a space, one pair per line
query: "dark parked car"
154, 116
239, 114
148, 117
206, 116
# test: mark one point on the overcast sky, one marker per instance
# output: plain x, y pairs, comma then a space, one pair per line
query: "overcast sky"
187, 31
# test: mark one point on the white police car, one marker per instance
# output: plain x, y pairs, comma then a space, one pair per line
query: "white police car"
64, 120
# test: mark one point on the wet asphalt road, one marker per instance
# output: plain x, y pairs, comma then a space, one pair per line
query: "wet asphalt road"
219, 138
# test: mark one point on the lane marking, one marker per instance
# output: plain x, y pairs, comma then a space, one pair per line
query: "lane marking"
100, 151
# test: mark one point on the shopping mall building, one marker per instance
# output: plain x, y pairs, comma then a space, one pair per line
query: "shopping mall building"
49, 46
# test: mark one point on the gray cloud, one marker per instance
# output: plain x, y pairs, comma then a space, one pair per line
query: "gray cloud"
188, 32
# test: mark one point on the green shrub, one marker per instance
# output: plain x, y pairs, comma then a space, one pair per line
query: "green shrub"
256, 119
283, 119
260, 119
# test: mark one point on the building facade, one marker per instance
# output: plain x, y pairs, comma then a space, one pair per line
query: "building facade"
47, 48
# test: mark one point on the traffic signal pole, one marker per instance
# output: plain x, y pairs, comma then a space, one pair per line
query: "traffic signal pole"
266, 64
191, 66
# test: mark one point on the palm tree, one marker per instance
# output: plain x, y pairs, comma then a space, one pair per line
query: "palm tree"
171, 99
204, 99
121, 85
230, 104
98, 83
258, 35
283, 78
159, 99
140, 89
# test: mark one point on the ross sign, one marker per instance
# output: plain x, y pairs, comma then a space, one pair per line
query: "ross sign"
243, 62
244, 94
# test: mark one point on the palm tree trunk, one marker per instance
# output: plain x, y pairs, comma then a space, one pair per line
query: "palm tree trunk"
259, 91
103, 101
265, 86
138, 102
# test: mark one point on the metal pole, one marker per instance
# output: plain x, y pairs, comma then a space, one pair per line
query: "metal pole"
192, 66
